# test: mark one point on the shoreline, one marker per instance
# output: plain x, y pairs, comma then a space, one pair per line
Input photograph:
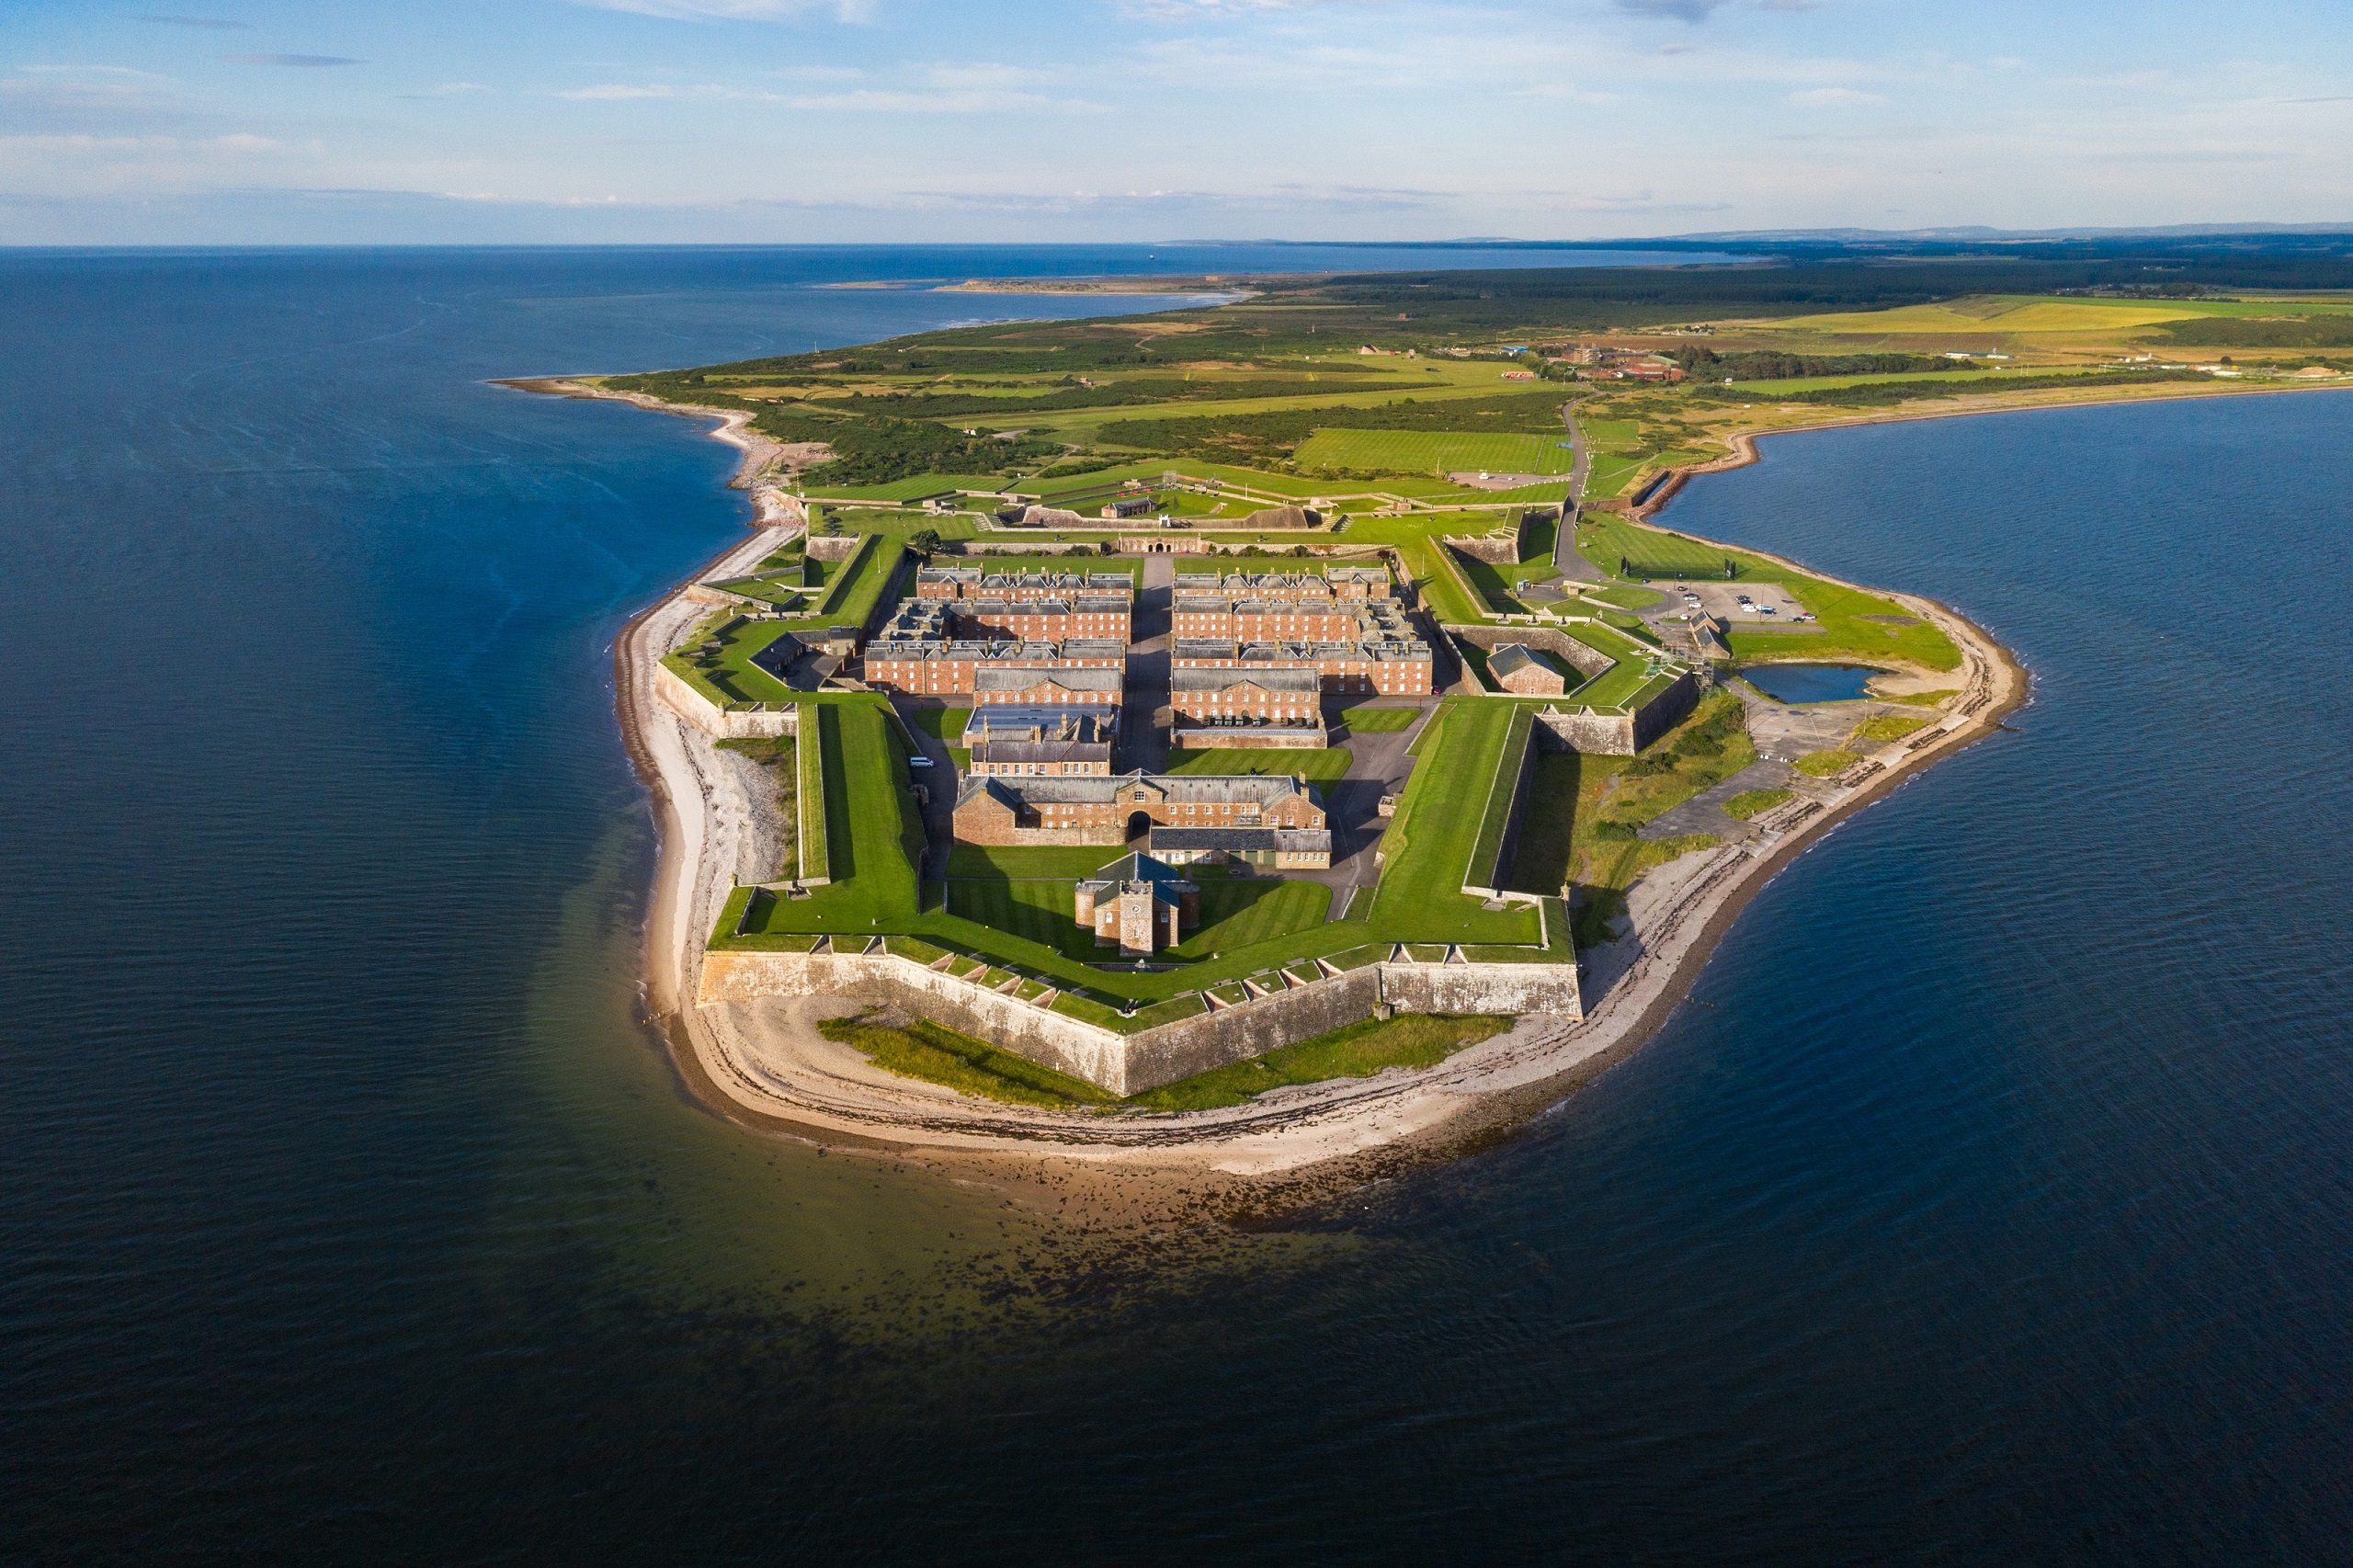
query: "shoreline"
761, 1064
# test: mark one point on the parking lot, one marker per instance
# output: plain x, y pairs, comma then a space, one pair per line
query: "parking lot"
1722, 601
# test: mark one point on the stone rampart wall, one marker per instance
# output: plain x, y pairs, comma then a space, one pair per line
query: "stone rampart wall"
728, 724
832, 547
1127, 1064
1220, 1038
1482, 988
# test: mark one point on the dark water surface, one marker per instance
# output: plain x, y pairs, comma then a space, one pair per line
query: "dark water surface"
1991, 1200
1811, 683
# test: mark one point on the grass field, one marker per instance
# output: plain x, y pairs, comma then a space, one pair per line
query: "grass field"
944, 724
913, 489
1840, 612
732, 677
1435, 451
871, 829
1066, 863
1450, 595
1238, 912
1486, 868
817, 800
1429, 846
1235, 913
1379, 720
1318, 767
1755, 802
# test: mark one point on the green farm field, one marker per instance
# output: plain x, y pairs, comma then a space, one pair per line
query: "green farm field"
1433, 452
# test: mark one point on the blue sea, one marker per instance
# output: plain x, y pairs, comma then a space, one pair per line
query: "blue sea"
1990, 1200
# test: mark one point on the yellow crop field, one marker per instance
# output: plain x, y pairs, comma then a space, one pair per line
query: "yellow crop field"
1972, 318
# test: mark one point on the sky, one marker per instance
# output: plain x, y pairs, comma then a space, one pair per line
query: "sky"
256, 122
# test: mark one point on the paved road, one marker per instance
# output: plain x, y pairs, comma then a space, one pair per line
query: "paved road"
1142, 743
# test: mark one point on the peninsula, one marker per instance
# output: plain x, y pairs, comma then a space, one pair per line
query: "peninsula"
1212, 755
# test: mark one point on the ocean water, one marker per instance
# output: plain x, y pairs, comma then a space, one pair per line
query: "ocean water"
1991, 1199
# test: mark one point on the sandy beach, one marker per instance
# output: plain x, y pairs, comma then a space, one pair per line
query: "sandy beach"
763, 1064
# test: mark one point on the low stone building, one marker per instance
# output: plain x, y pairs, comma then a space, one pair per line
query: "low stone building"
1033, 811
1516, 669
1137, 903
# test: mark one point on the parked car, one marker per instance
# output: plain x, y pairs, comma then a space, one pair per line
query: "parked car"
919, 760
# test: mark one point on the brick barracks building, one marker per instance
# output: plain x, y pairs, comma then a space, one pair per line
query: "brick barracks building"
1288, 698
1035, 746
1387, 668
1338, 583
1050, 619
947, 668
996, 810
993, 687
972, 582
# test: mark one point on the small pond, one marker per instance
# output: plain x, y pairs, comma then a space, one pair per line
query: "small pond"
1811, 683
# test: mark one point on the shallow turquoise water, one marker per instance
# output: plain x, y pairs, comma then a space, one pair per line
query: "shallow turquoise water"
1991, 1199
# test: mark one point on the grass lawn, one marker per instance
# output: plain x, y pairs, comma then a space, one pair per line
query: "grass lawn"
1419, 898
730, 676
1035, 912
944, 724
1449, 597
1487, 870
1921, 698
813, 825
1379, 720
914, 488
924, 1050
1066, 862
1428, 451
1755, 802
1844, 623
1823, 764
1319, 767
1606, 798
1359, 1050
871, 829
1243, 911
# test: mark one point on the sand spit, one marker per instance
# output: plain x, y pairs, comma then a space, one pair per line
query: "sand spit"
763, 1064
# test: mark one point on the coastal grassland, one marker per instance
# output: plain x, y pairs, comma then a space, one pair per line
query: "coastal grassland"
921, 1049
1888, 727
1324, 766
1843, 626
1432, 451
1584, 809
1751, 804
1365, 720
1429, 845
1823, 764
927, 1052
1356, 1050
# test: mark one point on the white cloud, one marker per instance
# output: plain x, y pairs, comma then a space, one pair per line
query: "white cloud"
1834, 98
